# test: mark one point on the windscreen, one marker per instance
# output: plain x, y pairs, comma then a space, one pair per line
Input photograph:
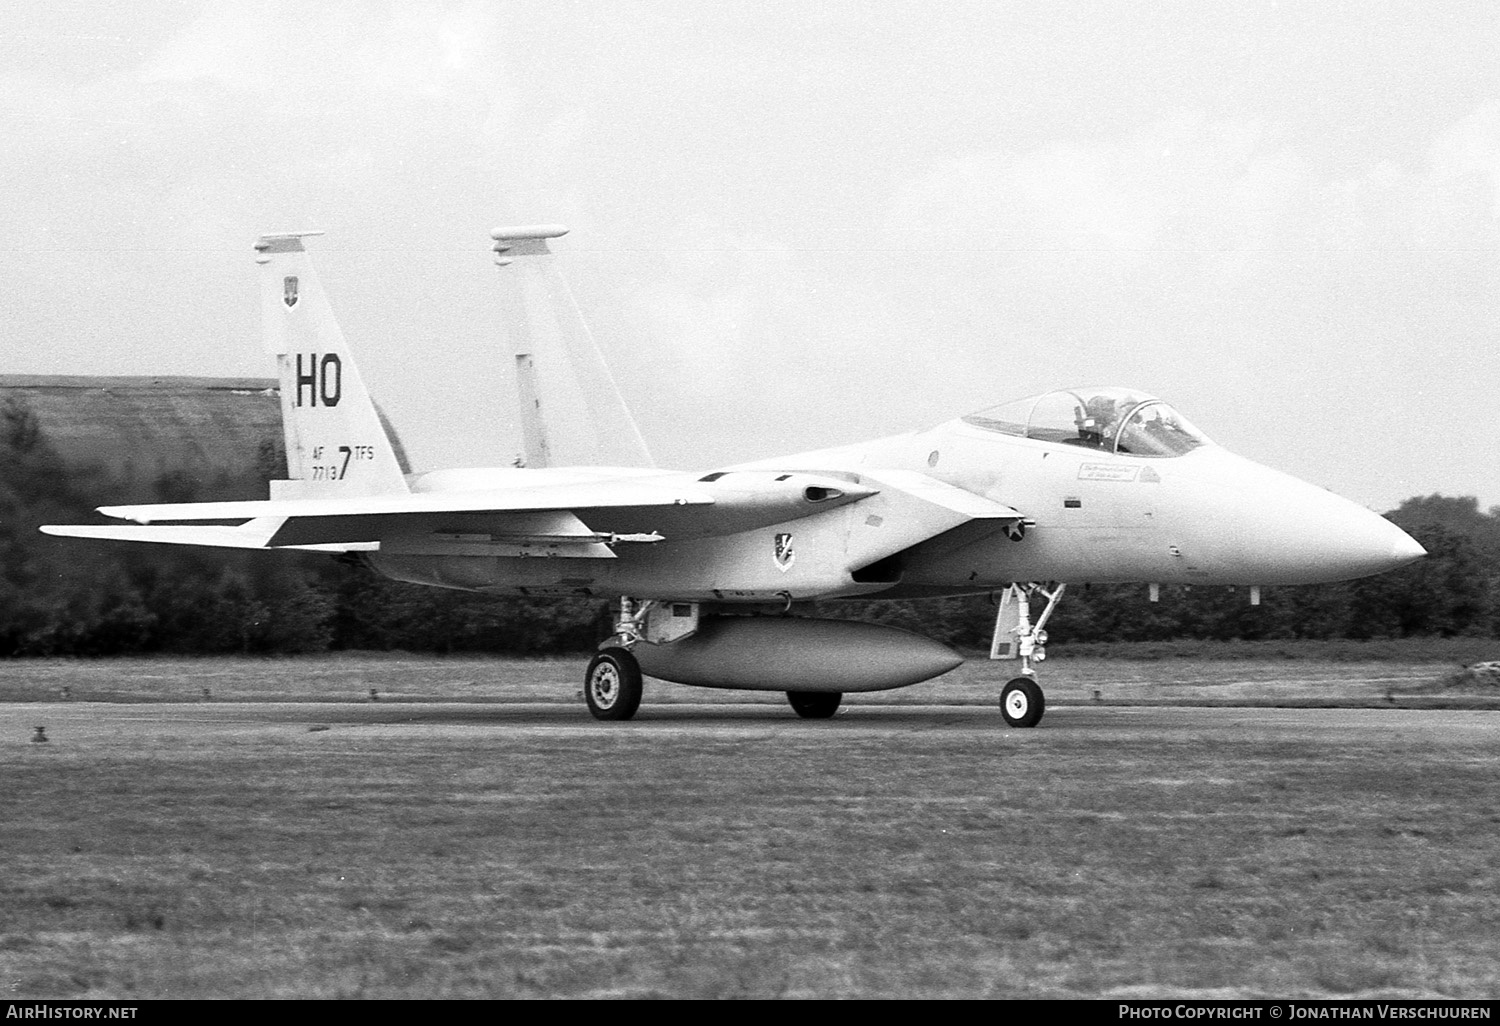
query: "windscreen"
1155, 429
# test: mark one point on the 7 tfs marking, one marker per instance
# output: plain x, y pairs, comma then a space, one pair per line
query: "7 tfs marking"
338, 470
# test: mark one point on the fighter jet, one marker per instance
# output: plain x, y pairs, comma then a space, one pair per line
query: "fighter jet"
709, 573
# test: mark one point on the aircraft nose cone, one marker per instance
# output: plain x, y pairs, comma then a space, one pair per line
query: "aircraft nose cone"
1287, 531
1355, 542
1405, 549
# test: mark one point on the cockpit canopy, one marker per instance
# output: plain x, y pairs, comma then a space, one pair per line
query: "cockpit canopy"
1109, 419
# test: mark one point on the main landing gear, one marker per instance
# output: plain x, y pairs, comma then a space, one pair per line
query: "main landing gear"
1017, 637
612, 685
815, 705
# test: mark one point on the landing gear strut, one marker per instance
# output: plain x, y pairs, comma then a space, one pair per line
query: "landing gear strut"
1017, 637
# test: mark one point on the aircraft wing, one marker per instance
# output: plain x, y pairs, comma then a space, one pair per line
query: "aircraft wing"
586, 495
540, 515
536, 514
536, 519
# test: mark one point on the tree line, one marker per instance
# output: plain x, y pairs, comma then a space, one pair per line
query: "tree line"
81, 598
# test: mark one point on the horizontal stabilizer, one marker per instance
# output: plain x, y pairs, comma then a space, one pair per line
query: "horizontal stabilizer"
254, 535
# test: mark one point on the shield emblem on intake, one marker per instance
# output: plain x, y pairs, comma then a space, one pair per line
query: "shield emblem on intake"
289, 290
784, 552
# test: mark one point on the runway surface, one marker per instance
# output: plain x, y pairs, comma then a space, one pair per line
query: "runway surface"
68, 722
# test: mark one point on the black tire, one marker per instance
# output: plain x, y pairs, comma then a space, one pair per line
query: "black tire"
612, 685
815, 705
1022, 702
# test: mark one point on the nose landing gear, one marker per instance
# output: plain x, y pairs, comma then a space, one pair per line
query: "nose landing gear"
1017, 637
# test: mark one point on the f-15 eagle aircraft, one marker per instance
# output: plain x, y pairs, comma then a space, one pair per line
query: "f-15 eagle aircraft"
1102, 485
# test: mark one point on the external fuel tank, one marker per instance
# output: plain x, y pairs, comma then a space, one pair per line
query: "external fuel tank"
787, 653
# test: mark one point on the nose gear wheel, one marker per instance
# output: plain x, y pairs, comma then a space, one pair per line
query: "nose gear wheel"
1022, 703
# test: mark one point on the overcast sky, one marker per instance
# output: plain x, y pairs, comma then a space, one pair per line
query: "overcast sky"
794, 224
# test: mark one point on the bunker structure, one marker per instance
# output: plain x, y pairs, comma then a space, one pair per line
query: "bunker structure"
219, 437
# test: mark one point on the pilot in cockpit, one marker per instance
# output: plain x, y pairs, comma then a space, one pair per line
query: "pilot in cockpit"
1096, 421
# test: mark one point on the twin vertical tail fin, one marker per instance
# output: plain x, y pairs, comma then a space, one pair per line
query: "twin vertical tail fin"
571, 410
336, 444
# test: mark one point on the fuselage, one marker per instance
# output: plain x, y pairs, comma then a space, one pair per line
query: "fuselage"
1204, 517
1091, 515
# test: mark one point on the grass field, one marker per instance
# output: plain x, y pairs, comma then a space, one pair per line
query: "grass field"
499, 843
